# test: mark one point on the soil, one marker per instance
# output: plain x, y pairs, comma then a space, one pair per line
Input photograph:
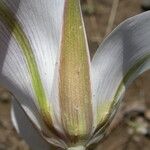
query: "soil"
135, 108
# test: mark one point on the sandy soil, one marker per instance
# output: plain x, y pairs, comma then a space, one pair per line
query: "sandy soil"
135, 106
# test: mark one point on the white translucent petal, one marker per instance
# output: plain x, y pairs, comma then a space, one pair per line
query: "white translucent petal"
13, 71
125, 47
26, 129
41, 21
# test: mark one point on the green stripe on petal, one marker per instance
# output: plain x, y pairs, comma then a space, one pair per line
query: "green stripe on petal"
108, 107
104, 114
15, 28
74, 85
130, 73
122, 57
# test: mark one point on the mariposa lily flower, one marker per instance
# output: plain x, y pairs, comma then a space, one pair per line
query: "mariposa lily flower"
60, 97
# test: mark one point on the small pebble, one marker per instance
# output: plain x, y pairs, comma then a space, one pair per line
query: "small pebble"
147, 114
2, 147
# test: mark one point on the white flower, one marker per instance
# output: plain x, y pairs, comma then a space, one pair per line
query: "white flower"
60, 96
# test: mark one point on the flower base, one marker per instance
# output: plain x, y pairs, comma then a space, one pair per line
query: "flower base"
77, 148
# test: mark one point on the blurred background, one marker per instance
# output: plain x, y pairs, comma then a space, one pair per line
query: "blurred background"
130, 129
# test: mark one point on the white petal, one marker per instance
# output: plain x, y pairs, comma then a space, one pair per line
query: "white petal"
26, 129
42, 22
123, 55
38, 22
14, 75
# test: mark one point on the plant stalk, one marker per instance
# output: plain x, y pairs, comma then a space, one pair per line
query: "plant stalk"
77, 148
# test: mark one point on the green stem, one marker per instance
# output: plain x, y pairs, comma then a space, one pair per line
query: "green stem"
77, 148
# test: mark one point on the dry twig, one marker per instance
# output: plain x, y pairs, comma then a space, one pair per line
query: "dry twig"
112, 16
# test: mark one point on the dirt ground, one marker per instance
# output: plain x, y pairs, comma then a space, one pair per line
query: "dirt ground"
130, 129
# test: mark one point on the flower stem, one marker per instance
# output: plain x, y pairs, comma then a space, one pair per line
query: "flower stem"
77, 148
